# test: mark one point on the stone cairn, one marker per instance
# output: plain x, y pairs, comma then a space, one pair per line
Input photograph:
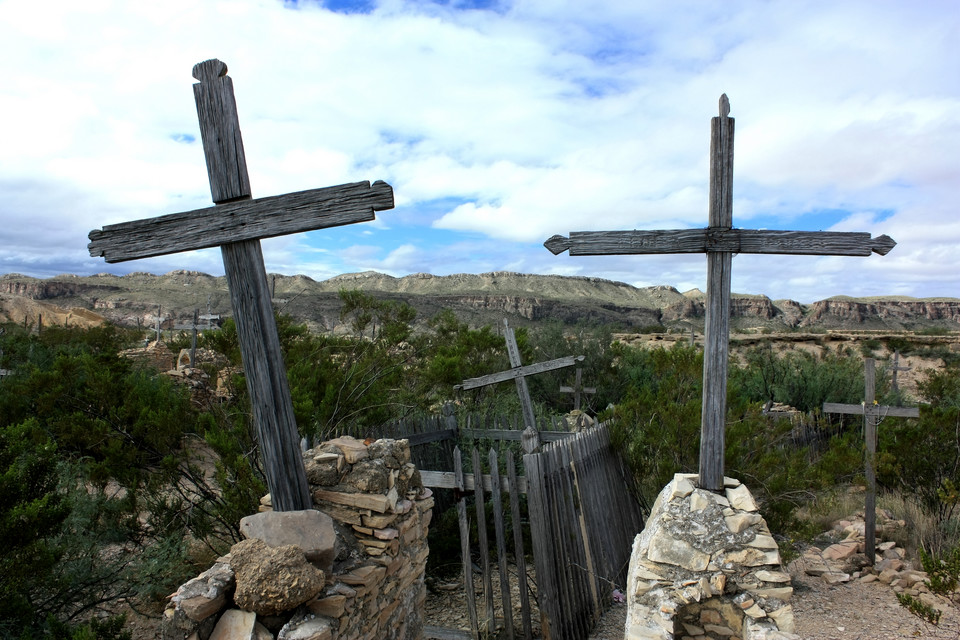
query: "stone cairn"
706, 566
350, 569
841, 559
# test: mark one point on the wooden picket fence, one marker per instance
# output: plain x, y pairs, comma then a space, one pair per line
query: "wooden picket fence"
583, 520
582, 517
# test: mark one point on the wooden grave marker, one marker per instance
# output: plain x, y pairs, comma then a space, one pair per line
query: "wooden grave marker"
872, 414
719, 241
895, 368
518, 373
577, 389
236, 224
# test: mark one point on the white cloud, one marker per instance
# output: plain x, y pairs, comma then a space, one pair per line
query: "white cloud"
542, 117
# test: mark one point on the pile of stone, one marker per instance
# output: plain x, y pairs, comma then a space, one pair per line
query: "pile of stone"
350, 569
155, 355
706, 566
844, 560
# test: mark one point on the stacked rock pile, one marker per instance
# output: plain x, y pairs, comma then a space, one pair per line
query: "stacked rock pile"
843, 560
350, 569
706, 566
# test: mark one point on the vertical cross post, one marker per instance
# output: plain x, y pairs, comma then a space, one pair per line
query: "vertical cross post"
249, 293
717, 329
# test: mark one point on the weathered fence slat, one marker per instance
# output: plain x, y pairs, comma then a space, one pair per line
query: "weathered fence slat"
583, 518
465, 544
518, 552
484, 546
501, 543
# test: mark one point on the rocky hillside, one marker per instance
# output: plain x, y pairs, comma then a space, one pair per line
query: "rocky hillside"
134, 300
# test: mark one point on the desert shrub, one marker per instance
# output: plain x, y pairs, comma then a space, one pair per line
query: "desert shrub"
799, 379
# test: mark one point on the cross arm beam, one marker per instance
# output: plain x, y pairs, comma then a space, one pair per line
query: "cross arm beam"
880, 411
719, 239
250, 219
519, 372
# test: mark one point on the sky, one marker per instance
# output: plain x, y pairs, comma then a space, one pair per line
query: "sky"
498, 123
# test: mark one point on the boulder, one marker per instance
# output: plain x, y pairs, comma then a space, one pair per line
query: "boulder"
272, 579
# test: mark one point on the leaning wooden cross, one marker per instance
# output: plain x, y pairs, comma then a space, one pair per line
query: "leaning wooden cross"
236, 224
518, 374
719, 241
872, 414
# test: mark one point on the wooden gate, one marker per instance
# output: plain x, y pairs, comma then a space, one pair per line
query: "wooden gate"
582, 516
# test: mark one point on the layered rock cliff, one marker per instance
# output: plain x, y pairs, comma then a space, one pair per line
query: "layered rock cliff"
138, 298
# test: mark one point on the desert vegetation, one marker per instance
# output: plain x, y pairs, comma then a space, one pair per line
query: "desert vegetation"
117, 484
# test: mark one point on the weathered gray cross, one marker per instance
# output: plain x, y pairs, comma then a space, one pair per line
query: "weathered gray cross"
578, 389
518, 373
719, 241
236, 224
872, 414
895, 368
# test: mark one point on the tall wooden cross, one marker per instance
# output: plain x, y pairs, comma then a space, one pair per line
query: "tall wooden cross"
518, 373
872, 414
719, 241
236, 224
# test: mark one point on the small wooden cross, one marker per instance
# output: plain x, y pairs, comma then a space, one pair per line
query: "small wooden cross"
518, 373
872, 414
719, 241
236, 224
578, 389
895, 368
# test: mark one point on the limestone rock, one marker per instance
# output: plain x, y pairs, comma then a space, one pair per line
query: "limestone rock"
369, 476
741, 499
311, 530
272, 579
353, 450
394, 453
307, 628
235, 624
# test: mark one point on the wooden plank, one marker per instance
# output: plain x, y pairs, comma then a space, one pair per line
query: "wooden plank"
579, 457
717, 325
513, 353
519, 555
872, 410
512, 434
542, 541
241, 220
470, 594
447, 480
870, 437
441, 633
519, 372
491, 620
220, 132
266, 374
416, 439
501, 540
708, 240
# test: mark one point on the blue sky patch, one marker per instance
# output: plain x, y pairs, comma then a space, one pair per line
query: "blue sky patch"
183, 138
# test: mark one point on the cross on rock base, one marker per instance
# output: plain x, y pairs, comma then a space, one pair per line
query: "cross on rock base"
719, 241
236, 224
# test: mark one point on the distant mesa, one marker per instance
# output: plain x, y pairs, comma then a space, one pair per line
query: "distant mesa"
478, 299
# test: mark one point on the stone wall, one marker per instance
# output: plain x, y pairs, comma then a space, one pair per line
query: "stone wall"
706, 566
350, 569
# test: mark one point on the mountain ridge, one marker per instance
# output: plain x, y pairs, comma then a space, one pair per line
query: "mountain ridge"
133, 300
